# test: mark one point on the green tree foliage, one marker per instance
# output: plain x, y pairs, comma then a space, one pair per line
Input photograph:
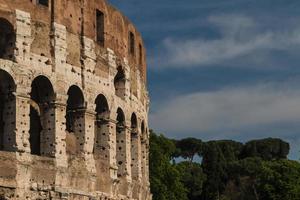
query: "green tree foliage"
188, 148
279, 180
257, 170
192, 178
165, 178
267, 149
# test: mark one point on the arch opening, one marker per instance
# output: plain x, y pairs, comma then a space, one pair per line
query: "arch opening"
75, 120
7, 111
75, 106
134, 140
102, 129
41, 132
120, 82
120, 142
7, 39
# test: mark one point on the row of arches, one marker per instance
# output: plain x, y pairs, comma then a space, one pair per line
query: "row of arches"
43, 121
7, 47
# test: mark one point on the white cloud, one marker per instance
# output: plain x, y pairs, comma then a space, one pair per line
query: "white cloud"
244, 113
240, 36
230, 110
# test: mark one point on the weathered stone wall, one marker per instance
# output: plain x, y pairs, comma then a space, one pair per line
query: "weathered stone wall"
73, 111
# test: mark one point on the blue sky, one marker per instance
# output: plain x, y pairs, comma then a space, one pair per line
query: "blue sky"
222, 69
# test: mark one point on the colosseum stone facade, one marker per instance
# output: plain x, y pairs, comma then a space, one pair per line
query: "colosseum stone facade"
74, 103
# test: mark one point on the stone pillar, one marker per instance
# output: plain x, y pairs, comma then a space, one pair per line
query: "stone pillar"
124, 153
22, 123
48, 134
23, 35
89, 138
136, 155
89, 54
147, 161
108, 144
59, 41
59, 127
143, 155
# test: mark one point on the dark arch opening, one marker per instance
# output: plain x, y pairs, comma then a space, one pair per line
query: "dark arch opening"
121, 142
41, 130
144, 149
75, 120
119, 82
134, 140
133, 121
75, 105
101, 146
7, 111
101, 107
120, 119
7, 39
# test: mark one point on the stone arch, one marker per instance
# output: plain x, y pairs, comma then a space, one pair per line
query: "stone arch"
121, 142
7, 39
134, 147
120, 82
101, 126
7, 111
42, 132
74, 119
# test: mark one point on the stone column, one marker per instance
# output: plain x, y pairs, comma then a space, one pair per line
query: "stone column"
48, 134
143, 159
136, 155
23, 35
59, 43
22, 123
123, 153
59, 127
109, 147
89, 138
147, 161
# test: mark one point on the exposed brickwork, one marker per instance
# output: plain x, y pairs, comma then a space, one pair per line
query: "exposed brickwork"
73, 102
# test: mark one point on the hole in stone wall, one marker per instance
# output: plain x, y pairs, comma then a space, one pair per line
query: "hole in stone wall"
7, 103
119, 82
42, 96
7, 39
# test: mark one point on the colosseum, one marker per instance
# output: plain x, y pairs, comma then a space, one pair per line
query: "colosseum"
74, 103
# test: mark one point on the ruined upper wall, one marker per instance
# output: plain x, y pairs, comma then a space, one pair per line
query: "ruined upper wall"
79, 16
